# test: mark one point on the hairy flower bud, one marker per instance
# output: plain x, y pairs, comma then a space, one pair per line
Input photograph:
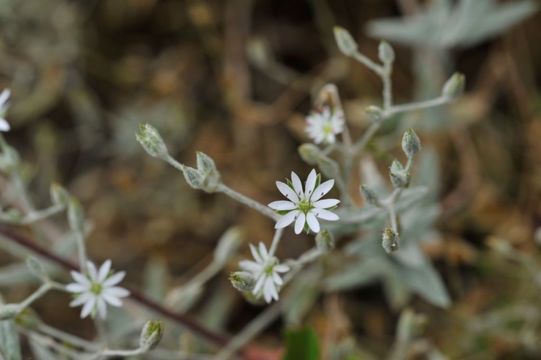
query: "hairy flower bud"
374, 113
310, 153
151, 141
390, 241
151, 334
242, 280
454, 87
410, 143
385, 52
325, 241
345, 41
399, 176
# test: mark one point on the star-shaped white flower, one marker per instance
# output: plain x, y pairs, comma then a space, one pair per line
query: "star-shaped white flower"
96, 289
322, 127
4, 98
265, 269
304, 207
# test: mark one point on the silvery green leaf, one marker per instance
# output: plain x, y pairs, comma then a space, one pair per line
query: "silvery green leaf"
410, 197
372, 177
302, 295
364, 272
35, 266
228, 245
427, 283
18, 273
10, 347
76, 215
205, 164
155, 278
396, 291
41, 352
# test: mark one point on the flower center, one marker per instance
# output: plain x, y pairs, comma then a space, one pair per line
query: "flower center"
327, 128
269, 267
96, 288
305, 206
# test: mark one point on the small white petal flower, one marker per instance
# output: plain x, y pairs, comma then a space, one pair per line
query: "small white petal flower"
4, 98
97, 288
265, 269
322, 127
304, 207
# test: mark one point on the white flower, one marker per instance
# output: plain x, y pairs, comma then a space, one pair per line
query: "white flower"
265, 269
4, 98
322, 127
96, 289
304, 207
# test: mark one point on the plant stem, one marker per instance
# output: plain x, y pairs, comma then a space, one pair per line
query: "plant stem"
135, 295
247, 201
275, 241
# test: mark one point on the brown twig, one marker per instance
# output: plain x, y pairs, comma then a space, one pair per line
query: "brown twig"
135, 295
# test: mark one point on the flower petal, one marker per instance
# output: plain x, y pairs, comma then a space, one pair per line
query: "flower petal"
88, 307
310, 183
286, 219
299, 223
80, 278
255, 254
250, 266
111, 300
297, 185
287, 191
325, 214
4, 125
326, 203
80, 300
76, 288
117, 292
92, 271
277, 279
102, 308
281, 268
114, 279
104, 271
4, 97
258, 285
312, 222
263, 252
282, 205
322, 189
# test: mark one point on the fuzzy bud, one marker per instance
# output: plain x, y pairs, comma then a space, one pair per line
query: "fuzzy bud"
454, 87
374, 113
325, 241
151, 334
385, 52
310, 153
399, 176
242, 280
410, 143
151, 141
345, 41
390, 241
59, 195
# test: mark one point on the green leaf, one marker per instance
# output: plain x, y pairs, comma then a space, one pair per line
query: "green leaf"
10, 348
302, 344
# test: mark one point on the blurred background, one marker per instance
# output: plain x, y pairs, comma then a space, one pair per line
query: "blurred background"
235, 80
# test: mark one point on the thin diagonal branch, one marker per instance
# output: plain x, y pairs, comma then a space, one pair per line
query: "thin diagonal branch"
135, 295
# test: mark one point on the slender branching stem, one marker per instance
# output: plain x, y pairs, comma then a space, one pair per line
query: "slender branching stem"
243, 199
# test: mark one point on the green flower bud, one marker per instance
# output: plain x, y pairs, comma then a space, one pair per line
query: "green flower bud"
310, 153
399, 176
151, 334
345, 41
205, 164
193, 177
454, 87
325, 241
242, 280
374, 113
390, 241
385, 52
151, 141
410, 143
